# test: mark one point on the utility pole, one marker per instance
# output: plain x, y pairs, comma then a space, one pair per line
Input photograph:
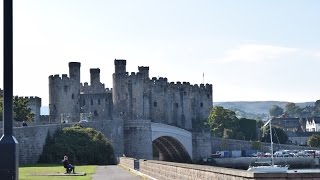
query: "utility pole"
9, 149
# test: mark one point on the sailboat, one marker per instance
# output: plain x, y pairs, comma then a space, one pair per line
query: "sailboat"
271, 167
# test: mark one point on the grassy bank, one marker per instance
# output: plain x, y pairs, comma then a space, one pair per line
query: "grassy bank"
26, 172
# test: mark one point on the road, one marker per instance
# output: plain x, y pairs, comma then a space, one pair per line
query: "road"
114, 172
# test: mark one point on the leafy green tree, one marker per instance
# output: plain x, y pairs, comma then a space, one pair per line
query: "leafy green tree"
278, 135
82, 145
275, 111
314, 141
292, 110
21, 112
223, 122
249, 128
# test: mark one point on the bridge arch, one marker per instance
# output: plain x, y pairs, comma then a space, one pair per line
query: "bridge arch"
170, 143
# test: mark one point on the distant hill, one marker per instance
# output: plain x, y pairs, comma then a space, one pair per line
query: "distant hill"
255, 109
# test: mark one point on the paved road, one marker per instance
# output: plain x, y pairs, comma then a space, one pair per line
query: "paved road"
113, 172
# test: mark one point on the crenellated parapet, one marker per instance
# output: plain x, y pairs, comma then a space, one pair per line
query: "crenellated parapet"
85, 88
161, 81
33, 99
57, 78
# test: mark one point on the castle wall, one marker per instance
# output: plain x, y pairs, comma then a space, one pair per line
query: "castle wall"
31, 139
99, 106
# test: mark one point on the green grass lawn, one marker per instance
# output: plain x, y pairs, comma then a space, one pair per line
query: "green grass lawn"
26, 171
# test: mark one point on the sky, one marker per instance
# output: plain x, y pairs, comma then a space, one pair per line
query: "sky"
250, 50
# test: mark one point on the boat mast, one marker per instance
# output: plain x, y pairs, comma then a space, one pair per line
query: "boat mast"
271, 142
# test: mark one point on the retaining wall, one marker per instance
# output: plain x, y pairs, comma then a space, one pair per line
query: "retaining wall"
174, 171
31, 139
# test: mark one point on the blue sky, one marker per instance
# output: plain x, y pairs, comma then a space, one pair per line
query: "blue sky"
250, 50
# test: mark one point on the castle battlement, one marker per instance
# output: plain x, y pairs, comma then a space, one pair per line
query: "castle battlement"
31, 97
57, 77
33, 100
161, 81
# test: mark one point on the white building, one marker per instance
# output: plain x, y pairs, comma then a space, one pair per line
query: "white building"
313, 125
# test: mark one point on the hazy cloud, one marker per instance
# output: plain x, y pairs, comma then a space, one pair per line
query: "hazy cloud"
253, 53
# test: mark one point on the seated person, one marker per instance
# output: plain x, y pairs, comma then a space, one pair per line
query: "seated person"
69, 167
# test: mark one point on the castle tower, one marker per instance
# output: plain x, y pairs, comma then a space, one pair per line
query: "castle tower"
120, 66
94, 76
120, 90
64, 95
34, 103
73, 94
74, 71
144, 71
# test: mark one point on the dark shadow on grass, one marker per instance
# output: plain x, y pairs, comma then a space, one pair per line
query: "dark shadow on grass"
41, 165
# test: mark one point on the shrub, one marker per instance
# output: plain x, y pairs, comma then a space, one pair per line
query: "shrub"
81, 145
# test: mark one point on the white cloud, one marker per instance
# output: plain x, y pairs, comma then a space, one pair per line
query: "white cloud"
257, 53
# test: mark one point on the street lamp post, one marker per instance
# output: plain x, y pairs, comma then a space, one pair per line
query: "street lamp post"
9, 152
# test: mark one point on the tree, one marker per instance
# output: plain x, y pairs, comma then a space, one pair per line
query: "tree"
278, 135
307, 111
249, 128
21, 112
275, 111
314, 141
82, 145
316, 108
223, 122
292, 110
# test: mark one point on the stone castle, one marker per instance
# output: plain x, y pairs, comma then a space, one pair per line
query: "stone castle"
145, 113
134, 96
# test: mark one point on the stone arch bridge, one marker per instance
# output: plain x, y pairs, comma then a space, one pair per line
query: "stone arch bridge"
170, 143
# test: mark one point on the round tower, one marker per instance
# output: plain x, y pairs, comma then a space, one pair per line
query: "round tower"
120, 90
73, 92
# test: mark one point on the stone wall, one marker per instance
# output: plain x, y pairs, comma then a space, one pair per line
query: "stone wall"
137, 139
174, 171
32, 138
201, 145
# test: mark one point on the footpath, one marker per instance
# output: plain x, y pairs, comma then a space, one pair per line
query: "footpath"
114, 172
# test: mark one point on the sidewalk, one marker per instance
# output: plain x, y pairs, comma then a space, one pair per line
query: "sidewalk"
114, 172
